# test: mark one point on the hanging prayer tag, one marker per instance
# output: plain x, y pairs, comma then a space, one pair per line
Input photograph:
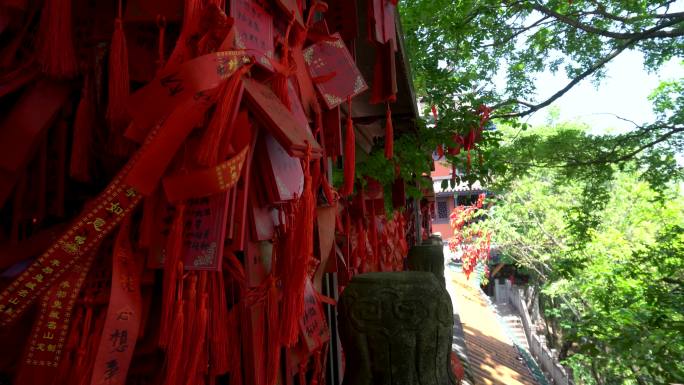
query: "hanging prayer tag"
280, 122
122, 324
205, 182
254, 25
313, 326
282, 174
45, 347
384, 26
331, 62
189, 81
204, 231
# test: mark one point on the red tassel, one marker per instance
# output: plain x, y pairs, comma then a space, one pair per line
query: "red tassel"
171, 278
161, 24
89, 345
67, 363
175, 342
272, 323
349, 154
119, 87
298, 263
224, 116
373, 235
363, 248
235, 346
389, 134
468, 163
190, 317
18, 209
193, 9
148, 219
195, 370
118, 91
79, 165
218, 335
327, 190
76, 372
279, 84
54, 44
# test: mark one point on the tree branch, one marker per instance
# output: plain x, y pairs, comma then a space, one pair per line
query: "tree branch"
601, 11
588, 72
519, 32
653, 32
650, 33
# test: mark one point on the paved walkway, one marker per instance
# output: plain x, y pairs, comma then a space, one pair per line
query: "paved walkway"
493, 358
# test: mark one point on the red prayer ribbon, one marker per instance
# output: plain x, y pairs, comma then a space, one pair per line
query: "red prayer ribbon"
97, 220
206, 181
122, 323
189, 81
48, 336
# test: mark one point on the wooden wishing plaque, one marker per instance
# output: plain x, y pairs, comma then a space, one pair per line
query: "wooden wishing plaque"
204, 232
294, 136
331, 57
254, 25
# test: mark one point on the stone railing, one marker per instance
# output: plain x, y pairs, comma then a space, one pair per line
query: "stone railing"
545, 357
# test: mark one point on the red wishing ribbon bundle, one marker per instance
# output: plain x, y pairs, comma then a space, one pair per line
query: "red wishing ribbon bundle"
221, 118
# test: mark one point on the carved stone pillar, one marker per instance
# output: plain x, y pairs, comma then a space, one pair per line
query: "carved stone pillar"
396, 329
428, 256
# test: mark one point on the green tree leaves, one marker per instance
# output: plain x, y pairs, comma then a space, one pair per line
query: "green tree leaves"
614, 292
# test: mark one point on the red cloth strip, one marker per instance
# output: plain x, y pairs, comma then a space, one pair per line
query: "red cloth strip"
122, 323
97, 220
48, 336
178, 84
206, 181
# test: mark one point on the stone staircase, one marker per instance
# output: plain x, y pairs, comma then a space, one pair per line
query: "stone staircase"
514, 324
492, 357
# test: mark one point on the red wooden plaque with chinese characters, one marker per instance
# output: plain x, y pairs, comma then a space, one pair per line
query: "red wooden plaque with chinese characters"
254, 26
332, 57
204, 231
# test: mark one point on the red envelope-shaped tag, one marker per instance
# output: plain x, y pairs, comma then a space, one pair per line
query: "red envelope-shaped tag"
294, 136
332, 57
254, 26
